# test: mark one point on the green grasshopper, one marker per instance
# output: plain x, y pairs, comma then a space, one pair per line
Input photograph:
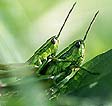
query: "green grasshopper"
49, 48
67, 63
40, 57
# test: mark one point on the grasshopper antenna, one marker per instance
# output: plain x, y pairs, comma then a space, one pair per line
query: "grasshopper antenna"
65, 20
90, 25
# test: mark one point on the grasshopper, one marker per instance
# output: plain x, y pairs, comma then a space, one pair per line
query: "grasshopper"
40, 57
49, 48
67, 63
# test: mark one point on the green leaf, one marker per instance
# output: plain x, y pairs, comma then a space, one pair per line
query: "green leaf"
101, 64
93, 89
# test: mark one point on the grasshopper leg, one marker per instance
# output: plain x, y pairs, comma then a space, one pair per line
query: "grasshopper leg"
41, 67
92, 73
61, 60
61, 84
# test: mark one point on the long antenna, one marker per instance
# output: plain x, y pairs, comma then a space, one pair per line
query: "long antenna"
65, 20
90, 25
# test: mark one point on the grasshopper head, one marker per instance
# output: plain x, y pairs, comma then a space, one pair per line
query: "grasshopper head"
52, 45
79, 44
54, 40
77, 51
80, 47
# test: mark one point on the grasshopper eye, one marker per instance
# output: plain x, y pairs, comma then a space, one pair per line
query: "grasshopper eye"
53, 41
78, 44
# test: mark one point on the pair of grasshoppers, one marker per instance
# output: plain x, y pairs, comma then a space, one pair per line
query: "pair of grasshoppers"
58, 67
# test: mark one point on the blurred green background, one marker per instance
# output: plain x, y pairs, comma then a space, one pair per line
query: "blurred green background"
26, 25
